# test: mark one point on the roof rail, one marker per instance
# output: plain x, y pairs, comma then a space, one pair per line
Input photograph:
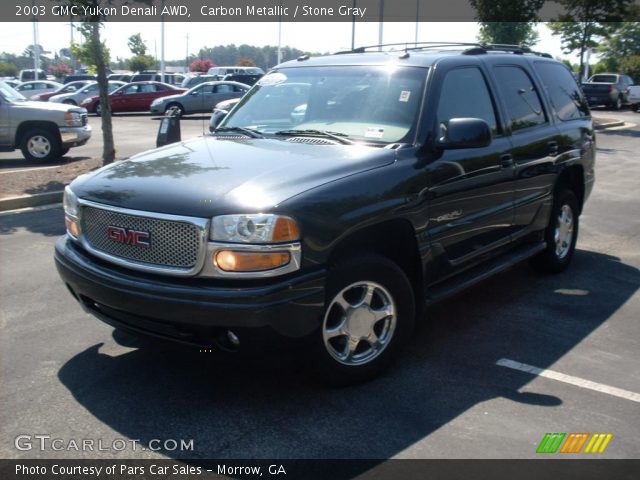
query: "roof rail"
473, 48
407, 46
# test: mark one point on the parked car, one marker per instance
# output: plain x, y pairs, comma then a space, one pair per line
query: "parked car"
30, 74
121, 77
42, 131
633, 96
220, 111
169, 78
132, 97
32, 89
608, 89
193, 80
69, 88
13, 83
407, 177
90, 90
201, 98
247, 79
235, 69
75, 77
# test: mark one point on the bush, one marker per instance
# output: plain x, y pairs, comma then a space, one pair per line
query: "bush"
631, 66
60, 70
8, 70
201, 65
139, 63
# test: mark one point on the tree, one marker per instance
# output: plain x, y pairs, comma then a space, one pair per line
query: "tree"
631, 66
139, 63
507, 21
623, 41
8, 70
137, 45
201, 65
586, 22
246, 62
60, 70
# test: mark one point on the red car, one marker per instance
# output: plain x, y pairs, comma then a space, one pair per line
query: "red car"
132, 97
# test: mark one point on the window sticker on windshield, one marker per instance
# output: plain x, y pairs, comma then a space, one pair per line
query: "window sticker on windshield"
374, 132
404, 96
272, 79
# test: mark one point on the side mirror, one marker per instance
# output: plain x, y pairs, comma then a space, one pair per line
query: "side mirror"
464, 133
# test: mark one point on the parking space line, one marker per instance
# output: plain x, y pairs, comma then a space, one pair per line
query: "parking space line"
577, 381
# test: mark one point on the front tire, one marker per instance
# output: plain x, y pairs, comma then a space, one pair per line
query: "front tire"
98, 109
175, 105
561, 234
40, 145
369, 315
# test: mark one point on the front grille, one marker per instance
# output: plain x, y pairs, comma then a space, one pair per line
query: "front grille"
85, 119
172, 243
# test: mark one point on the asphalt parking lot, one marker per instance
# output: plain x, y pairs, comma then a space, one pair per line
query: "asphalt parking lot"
65, 375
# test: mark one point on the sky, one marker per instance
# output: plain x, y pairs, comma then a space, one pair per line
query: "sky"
313, 37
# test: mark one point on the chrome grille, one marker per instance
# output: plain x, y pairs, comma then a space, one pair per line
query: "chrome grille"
85, 119
173, 244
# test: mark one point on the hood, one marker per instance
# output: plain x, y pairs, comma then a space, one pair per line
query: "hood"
47, 106
208, 176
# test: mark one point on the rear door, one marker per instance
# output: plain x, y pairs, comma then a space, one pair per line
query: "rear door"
471, 207
535, 145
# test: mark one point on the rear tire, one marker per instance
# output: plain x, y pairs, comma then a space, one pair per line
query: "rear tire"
617, 105
369, 315
561, 234
98, 109
40, 145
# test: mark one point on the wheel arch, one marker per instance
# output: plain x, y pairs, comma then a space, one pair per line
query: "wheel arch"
395, 240
572, 178
24, 127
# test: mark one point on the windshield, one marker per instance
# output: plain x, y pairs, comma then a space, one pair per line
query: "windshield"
9, 93
375, 104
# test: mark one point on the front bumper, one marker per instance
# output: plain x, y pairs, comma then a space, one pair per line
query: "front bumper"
75, 136
157, 109
192, 311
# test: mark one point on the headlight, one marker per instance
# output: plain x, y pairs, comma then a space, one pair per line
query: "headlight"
73, 119
70, 203
254, 228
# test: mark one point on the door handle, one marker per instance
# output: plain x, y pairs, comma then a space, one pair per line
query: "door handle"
506, 160
553, 147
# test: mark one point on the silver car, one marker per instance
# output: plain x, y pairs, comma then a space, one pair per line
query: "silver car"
76, 98
201, 98
30, 89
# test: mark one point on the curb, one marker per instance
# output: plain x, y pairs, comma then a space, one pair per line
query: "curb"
604, 126
27, 201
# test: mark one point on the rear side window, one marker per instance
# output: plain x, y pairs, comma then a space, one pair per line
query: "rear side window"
564, 93
465, 94
521, 97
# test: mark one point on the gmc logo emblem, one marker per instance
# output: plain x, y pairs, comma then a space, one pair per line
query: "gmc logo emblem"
128, 236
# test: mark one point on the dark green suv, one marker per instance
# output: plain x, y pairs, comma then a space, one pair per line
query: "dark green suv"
338, 198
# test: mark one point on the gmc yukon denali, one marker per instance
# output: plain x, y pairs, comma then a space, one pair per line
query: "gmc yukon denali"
340, 196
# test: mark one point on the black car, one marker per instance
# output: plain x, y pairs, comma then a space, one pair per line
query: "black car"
338, 198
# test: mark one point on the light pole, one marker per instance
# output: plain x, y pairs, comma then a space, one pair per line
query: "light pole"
280, 33
353, 27
417, 16
380, 24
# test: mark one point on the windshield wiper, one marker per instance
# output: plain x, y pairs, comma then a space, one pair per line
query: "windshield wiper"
337, 136
249, 132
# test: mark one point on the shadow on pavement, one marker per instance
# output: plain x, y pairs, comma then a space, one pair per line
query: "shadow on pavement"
271, 407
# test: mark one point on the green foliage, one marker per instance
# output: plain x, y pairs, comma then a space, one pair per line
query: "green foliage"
264, 57
137, 45
88, 52
513, 33
139, 63
585, 23
630, 65
623, 41
8, 70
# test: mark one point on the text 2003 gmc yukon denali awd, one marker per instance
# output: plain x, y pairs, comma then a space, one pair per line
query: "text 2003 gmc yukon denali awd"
341, 195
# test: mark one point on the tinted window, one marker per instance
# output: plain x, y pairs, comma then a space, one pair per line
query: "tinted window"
564, 93
224, 89
520, 96
465, 94
604, 78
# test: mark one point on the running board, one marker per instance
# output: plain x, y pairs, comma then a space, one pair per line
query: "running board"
477, 274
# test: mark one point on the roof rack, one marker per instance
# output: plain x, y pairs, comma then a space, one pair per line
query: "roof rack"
473, 48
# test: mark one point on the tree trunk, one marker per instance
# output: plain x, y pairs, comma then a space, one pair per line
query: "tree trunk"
108, 149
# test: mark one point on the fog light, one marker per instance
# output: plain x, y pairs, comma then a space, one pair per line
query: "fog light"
233, 261
72, 226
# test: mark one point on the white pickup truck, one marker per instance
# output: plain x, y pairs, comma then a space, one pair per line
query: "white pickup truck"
633, 95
